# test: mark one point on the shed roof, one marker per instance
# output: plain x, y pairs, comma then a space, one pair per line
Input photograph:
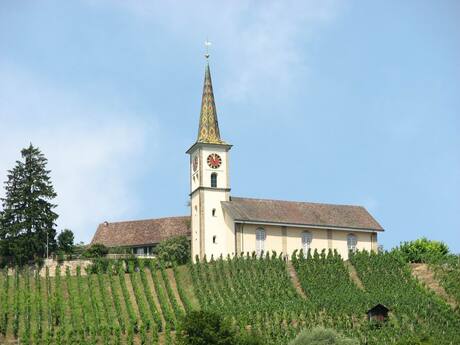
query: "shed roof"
378, 308
141, 232
300, 213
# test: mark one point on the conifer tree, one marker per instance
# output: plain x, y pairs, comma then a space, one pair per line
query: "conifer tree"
27, 221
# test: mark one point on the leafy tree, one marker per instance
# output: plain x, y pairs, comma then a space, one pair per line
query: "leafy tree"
422, 250
65, 241
209, 328
174, 250
28, 220
96, 251
322, 336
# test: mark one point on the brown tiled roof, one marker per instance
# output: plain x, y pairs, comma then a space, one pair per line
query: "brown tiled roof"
300, 213
140, 232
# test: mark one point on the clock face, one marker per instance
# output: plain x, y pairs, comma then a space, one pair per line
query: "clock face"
214, 160
195, 163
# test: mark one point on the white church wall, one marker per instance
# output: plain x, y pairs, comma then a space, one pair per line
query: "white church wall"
274, 239
230, 235
195, 224
216, 225
339, 240
294, 239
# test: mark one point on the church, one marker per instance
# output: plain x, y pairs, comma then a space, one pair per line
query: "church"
222, 224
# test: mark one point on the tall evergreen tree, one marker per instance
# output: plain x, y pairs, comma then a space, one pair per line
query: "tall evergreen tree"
27, 222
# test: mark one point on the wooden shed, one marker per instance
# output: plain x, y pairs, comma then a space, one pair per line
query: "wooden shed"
378, 313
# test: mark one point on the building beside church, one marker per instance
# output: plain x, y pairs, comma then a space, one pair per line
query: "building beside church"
222, 224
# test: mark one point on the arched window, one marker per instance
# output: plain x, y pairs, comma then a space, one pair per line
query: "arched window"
213, 212
306, 241
351, 242
214, 180
260, 240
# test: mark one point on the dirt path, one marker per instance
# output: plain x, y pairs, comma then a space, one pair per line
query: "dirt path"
423, 273
295, 279
354, 275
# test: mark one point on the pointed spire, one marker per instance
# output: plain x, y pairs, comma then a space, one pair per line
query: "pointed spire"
208, 131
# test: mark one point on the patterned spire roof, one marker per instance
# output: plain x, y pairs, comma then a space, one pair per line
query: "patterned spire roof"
208, 131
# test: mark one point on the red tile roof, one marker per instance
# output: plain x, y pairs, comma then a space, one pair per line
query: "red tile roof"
152, 231
141, 232
300, 213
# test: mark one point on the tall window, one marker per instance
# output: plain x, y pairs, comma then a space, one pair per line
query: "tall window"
306, 241
351, 242
260, 240
214, 180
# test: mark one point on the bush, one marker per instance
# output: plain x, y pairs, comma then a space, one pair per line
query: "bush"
205, 328
174, 250
322, 336
99, 265
65, 241
422, 250
209, 328
60, 257
79, 249
95, 251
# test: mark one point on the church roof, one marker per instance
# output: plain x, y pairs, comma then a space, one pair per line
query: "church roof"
208, 130
141, 232
300, 213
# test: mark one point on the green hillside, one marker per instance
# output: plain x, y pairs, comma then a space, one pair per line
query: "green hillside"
146, 305
447, 271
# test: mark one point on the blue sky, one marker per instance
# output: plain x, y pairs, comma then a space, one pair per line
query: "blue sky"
325, 101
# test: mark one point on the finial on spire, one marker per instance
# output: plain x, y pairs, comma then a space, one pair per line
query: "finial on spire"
207, 44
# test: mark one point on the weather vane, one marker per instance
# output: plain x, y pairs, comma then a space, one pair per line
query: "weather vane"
207, 44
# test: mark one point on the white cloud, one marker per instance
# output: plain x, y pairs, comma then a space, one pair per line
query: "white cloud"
92, 151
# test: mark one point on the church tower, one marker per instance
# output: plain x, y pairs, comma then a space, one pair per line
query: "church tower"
209, 181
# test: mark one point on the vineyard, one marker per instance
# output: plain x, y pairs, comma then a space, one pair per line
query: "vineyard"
418, 312
112, 307
143, 303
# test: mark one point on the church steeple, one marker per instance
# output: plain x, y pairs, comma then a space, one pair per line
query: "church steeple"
208, 131
209, 180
